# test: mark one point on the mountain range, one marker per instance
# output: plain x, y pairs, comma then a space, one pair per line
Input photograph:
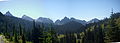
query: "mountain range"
60, 22
57, 22
61, 26
66, 20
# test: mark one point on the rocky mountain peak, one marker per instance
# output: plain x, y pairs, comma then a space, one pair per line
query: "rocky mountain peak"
27, 18
8, 14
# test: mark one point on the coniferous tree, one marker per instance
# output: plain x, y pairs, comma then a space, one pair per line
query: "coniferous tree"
22, 34
35, 33
42, 33
112, 33
20, 31
23, 39
7, 34
53, 36
15, 35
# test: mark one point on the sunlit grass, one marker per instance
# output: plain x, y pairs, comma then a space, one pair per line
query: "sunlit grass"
61, 36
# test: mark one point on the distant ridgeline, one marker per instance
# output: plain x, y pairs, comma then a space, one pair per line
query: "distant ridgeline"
61, 31
27, 22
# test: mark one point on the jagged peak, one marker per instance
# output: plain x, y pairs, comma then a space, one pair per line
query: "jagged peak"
57, 20
95, 19
27, 18
8, 13
43, 18
72, 18
66, 17
24, 16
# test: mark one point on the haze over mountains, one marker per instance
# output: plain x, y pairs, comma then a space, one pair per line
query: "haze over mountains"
61, 26
57, 22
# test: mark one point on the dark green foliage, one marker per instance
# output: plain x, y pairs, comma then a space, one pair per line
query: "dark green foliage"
22, 36
21, 32
42, 30
68, 38
15, 36
23, 39
35, 33
112, 33
115, 15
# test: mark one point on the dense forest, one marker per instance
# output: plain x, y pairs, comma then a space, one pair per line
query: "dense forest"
21, 31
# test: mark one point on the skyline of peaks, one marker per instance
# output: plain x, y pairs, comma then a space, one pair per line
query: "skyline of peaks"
65, 18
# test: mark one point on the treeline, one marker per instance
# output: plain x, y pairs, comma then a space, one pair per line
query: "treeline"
104, 31
17, 33
39, 34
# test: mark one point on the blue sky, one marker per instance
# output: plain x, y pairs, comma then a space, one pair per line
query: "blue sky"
58, 9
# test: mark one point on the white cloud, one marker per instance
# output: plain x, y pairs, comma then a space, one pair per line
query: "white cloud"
3, 0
